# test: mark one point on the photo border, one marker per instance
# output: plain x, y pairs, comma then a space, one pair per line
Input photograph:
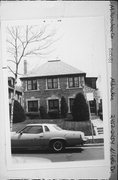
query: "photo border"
72, 171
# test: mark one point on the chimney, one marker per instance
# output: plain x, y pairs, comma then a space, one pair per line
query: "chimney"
25, 66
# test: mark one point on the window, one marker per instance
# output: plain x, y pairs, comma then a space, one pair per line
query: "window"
11, 82
82, 83
46, 129
52, 83
25, 130
33, 130
33, 106
32, 85
54, 104
57, 128
10, 95
73, 82
71, 100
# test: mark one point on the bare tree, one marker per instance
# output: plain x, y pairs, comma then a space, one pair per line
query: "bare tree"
26, 41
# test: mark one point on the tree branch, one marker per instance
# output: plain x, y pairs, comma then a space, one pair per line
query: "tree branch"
11, 32
10, 43
22, 42
11, 70
11, 61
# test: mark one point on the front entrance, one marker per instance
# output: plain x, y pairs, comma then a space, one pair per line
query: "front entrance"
93, 108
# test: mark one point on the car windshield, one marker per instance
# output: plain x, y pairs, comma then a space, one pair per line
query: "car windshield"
18, 131
57, 128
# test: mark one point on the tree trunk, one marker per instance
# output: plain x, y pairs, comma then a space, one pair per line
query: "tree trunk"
12, 104
12, 109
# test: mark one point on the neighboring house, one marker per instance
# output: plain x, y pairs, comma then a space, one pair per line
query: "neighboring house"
46, 85
91, 82
11, 90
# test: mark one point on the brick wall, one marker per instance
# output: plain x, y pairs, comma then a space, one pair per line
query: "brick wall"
43, 94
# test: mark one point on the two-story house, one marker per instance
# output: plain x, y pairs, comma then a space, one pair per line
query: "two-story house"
46, 85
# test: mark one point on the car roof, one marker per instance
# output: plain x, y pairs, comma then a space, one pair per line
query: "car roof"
45, 124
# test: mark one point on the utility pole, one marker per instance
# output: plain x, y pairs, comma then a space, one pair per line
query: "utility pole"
90, 98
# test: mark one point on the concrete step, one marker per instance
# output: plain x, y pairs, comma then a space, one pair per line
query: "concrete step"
100, 130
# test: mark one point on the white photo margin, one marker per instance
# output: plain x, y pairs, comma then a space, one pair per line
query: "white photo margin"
20, 13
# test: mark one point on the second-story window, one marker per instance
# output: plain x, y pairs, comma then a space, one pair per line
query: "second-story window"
82, 82
73, 82
52, 83
32, 85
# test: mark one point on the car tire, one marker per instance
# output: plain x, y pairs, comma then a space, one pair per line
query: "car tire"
57, 146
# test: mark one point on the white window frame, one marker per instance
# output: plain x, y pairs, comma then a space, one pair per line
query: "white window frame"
26, 85
58, 81
32, 99
52, 98
74, 86
79, 83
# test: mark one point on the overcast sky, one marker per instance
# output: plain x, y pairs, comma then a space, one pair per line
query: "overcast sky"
81, 44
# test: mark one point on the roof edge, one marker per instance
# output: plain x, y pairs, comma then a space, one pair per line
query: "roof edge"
28, 77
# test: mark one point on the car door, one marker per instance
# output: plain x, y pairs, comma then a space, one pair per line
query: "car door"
46, 137
18, 140
30, 137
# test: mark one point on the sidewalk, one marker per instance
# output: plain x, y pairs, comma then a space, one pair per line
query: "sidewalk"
98, 138
93, 145
96, 141
28, 159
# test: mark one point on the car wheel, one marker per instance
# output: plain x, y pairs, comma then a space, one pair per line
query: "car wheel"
57, 146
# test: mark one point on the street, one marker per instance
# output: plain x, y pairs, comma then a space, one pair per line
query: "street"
70, 154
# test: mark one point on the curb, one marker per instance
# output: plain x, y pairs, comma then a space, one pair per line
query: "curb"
93, 144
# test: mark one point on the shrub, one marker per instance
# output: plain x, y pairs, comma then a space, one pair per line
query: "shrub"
80, 111
64, 107
18, 113
32, 115
43, 113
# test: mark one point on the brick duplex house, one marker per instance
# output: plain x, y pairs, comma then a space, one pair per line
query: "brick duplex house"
46, 85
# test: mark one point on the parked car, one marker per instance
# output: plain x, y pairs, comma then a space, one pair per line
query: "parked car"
44, 136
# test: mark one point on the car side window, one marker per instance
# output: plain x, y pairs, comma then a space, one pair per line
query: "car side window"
34, 130
46, 129
26, 130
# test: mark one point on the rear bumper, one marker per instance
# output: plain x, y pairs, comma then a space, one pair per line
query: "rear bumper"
85, 139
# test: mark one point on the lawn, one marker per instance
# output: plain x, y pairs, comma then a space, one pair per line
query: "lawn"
68, 125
